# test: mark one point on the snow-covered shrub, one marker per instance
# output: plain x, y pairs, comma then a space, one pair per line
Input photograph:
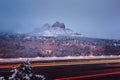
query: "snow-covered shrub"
24, 72
2, 78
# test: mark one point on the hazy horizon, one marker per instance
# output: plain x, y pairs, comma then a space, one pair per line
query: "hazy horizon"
91, 18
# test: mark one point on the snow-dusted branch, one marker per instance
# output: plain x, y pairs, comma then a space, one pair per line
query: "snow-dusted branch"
24, 72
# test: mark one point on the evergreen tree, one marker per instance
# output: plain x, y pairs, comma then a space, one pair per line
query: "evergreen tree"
24, 72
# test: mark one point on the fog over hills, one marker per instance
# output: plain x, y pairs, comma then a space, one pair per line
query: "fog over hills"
57, 29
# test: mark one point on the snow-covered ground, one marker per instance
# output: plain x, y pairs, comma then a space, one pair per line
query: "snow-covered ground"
7, 60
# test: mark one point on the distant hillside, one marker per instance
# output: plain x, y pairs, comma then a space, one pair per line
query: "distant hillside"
26, 45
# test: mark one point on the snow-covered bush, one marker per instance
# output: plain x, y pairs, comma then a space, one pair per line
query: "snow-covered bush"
2, 78
24, 72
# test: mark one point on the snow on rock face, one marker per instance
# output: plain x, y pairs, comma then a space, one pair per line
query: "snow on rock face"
58, 25
57, 29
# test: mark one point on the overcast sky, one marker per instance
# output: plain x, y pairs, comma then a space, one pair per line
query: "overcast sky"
92, 18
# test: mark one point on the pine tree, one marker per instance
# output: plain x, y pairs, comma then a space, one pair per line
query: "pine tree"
24, 72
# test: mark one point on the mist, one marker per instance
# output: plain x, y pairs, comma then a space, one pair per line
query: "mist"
91, 18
